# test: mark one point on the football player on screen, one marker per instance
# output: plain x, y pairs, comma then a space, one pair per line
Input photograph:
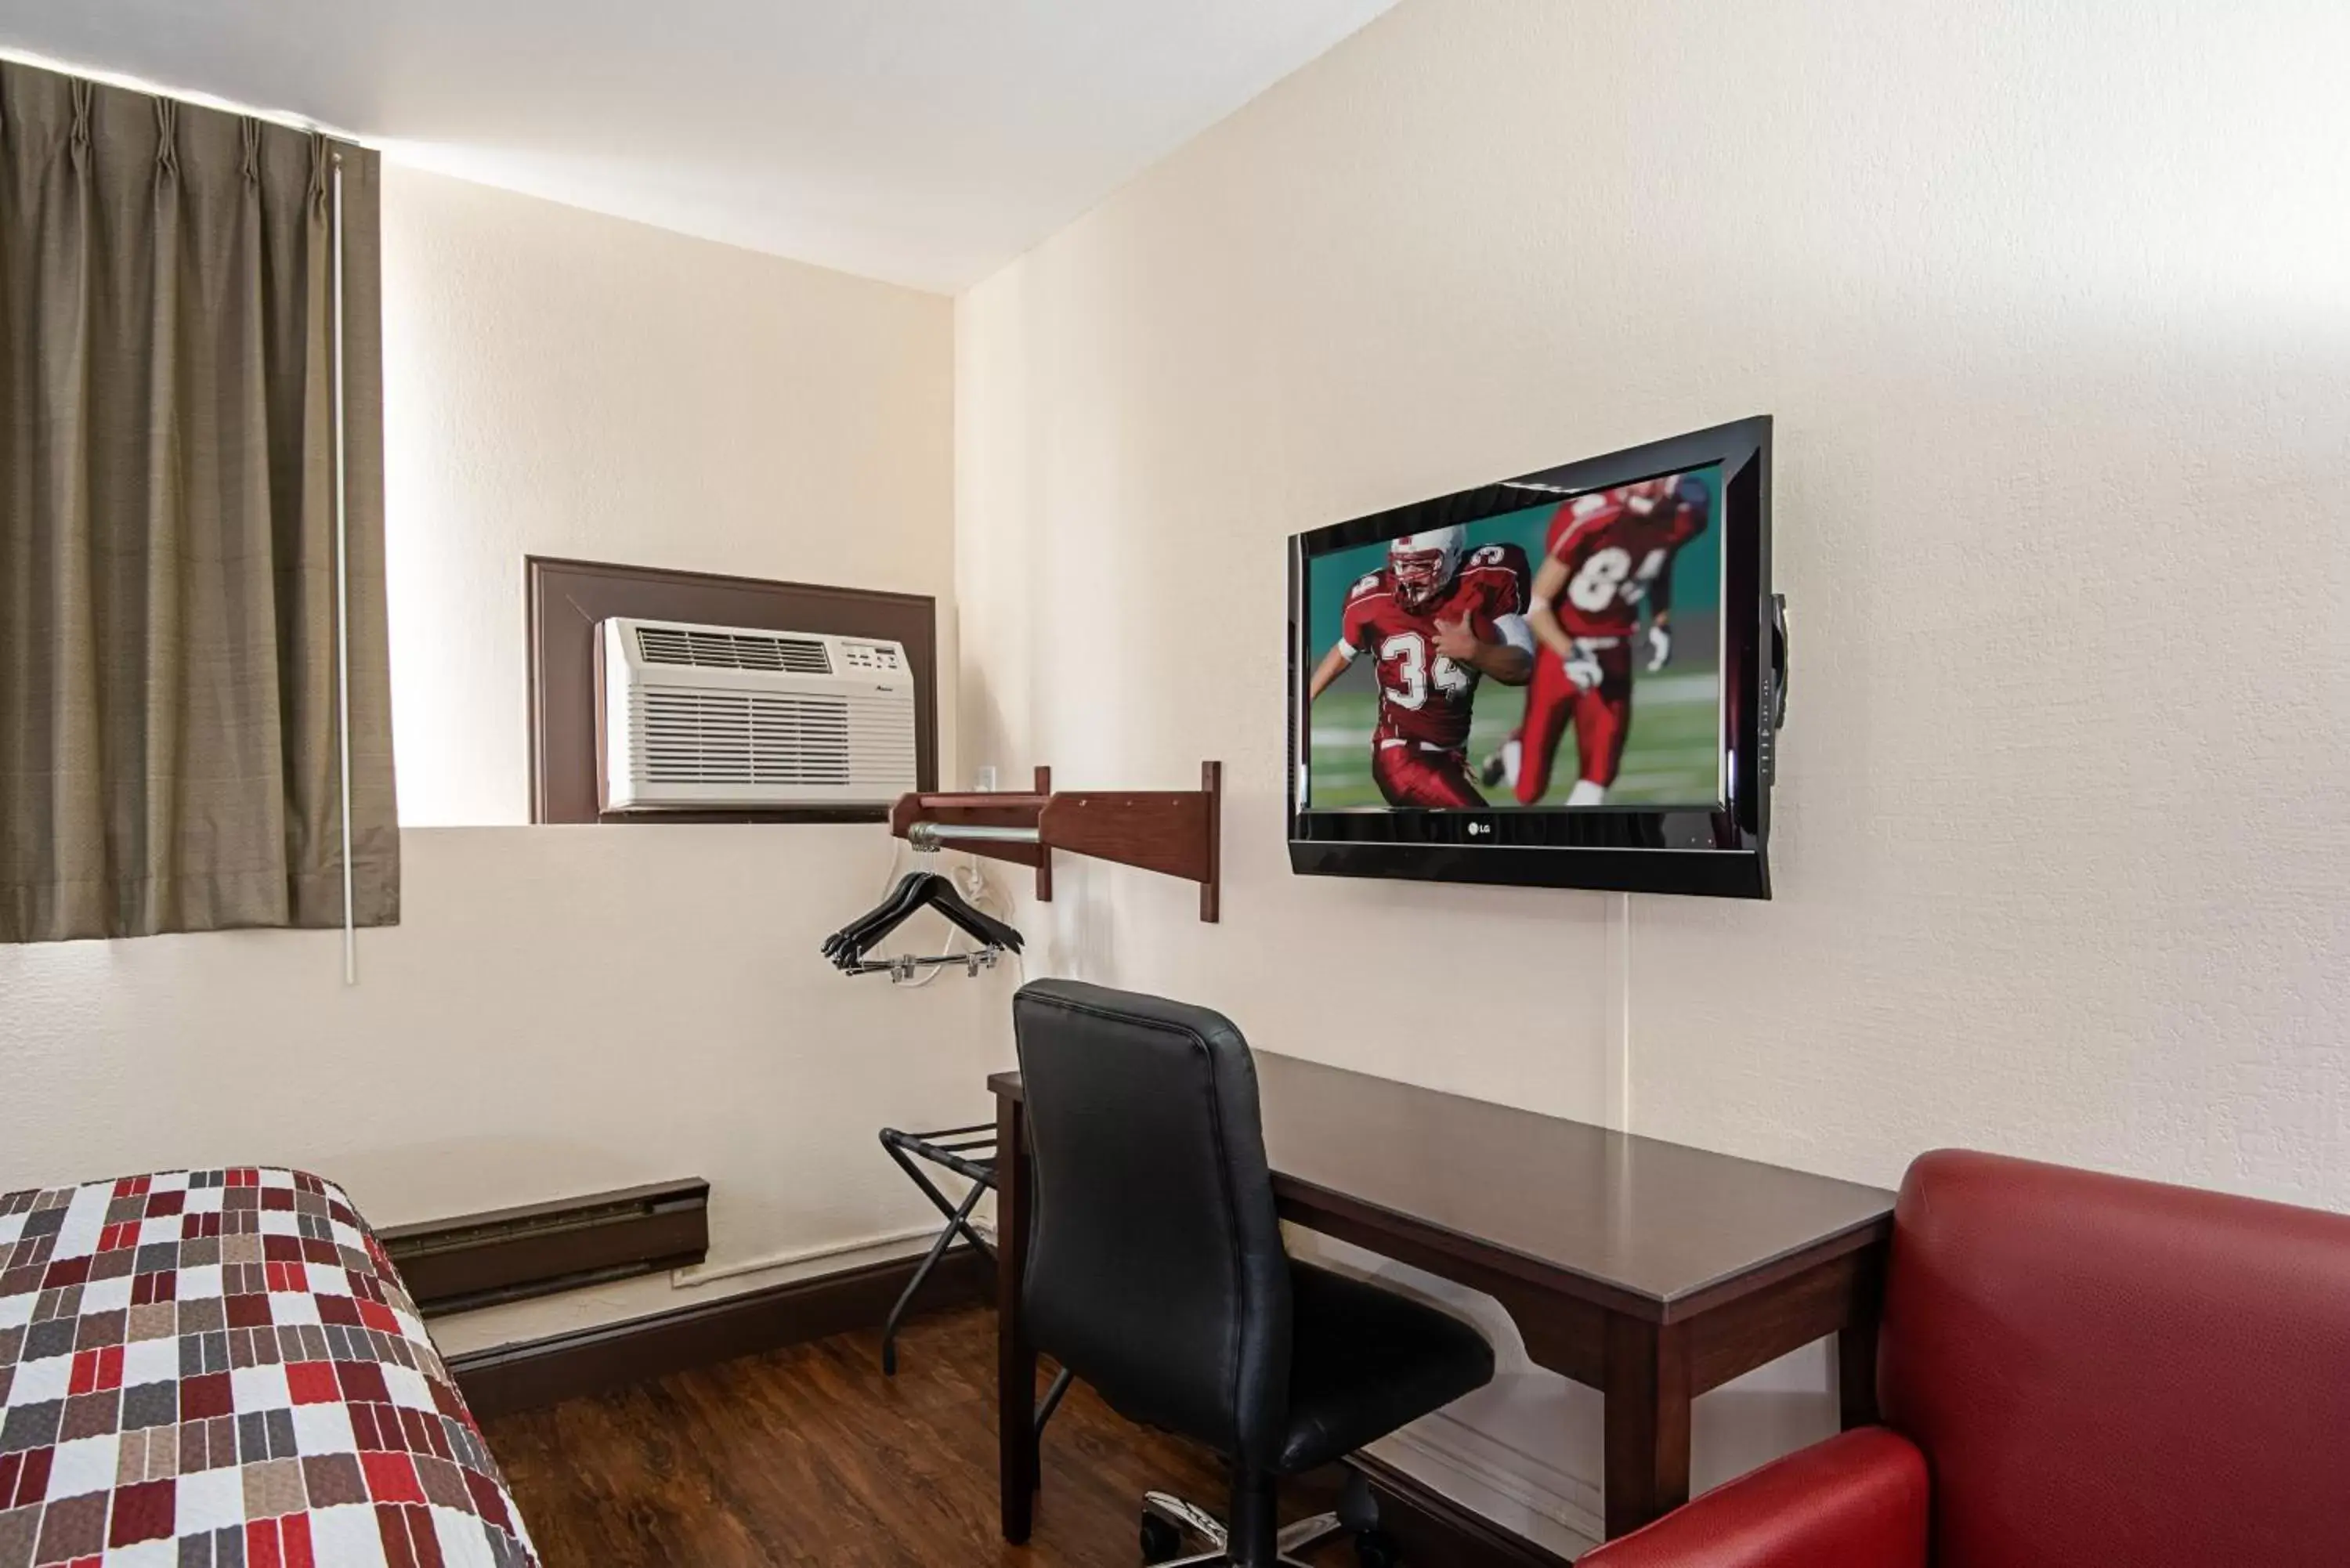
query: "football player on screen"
1436, 623
1609, 553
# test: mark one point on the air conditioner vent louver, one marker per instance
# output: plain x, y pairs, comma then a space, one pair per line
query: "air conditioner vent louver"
729, 738
717, 717
732, 650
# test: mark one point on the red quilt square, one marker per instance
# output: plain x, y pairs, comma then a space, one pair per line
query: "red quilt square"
424, 1433
488, 1501
316, 1251
122, 1234
409, 1540
25, 1478
248, 1311
427, 1539
312, 1382
277, 1197
96, 1370
204, 1395
146, 1289
392, 1477
393, 1529
66, 1272
133, 1186
287, 1278
377, 1315
445, 1401
281, 1249
172, 1202
142, 1513
279, 1542
362, 1380
340, 1310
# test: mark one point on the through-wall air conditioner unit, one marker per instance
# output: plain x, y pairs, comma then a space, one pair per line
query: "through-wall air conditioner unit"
701, 718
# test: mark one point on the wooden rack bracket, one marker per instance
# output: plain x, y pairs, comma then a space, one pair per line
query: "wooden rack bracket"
1044, 786
1177, 833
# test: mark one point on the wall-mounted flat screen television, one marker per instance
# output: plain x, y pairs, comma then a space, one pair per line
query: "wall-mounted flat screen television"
1572, 678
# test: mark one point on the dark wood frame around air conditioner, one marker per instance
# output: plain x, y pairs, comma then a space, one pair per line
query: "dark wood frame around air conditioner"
566, 599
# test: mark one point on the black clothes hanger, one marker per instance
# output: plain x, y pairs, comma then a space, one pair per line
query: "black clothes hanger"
919, 890
882, 918
916, 891
846, 947
981, 925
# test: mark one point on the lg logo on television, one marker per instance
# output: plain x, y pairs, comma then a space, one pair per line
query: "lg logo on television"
1480, 829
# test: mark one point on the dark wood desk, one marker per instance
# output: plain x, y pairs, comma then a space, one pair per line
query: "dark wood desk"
1646, 1269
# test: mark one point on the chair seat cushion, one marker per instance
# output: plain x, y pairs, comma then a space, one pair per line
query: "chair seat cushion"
1364, 1361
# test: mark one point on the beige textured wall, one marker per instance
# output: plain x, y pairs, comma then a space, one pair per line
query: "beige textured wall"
561, 383
566, 1009
2049, 304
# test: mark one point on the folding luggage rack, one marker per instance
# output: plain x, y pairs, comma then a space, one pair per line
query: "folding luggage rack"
970, 1153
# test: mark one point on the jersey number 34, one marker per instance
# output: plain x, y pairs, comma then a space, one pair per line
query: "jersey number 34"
1406, 654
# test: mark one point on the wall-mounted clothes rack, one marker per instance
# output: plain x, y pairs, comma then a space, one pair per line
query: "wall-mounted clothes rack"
1177, 833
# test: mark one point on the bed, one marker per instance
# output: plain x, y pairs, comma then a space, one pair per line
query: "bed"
220, 1369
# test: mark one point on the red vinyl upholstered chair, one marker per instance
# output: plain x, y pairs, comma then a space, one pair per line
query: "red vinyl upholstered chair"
2075, 1371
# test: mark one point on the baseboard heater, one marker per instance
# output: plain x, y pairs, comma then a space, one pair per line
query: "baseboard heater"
513, 1254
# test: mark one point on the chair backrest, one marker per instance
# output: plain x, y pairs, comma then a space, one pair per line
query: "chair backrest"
1156, 1270
2114, 1373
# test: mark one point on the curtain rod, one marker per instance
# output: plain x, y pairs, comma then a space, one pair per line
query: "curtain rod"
125, 81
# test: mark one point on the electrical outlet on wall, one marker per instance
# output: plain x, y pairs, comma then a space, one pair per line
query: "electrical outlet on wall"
984, 778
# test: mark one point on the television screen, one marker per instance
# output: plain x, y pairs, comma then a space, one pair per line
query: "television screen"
1572, 678
1432, 690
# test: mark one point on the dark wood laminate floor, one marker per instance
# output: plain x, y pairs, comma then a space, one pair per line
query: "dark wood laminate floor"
808, 1455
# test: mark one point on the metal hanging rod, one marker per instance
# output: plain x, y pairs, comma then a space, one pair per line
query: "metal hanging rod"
929, 835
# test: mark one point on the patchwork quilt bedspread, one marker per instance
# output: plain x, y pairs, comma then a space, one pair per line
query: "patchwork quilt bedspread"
220, 1369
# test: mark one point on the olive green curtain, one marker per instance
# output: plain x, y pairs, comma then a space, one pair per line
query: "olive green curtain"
170, 743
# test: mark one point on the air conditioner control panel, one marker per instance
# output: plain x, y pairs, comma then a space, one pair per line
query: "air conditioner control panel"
872, 655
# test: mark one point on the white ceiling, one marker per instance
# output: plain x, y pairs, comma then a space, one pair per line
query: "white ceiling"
927, 142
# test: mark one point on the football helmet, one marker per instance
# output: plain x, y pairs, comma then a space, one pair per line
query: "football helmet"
1424, 564
1651, 495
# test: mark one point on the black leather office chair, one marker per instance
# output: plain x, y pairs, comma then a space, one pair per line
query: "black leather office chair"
1156, 1270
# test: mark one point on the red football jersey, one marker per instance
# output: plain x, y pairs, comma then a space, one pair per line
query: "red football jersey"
1613, 553
1424, 697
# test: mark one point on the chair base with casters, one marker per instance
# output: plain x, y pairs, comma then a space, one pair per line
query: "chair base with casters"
1170, 1524
1364, 1362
